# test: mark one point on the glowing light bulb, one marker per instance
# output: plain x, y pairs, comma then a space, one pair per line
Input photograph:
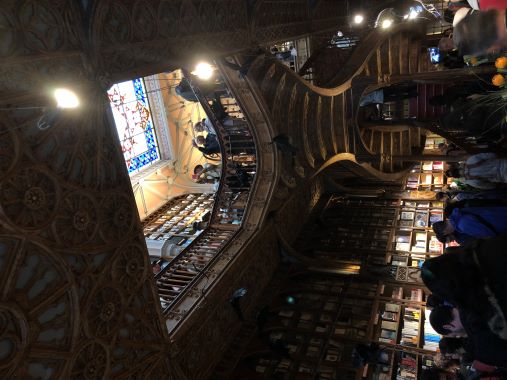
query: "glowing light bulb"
358, 19
387, 23
203, 70
66, 98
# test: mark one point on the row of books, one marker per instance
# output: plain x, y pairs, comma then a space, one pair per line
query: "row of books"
389, 323
417, 241
419, 218
411, 323
407, 367
431, 337
422, 204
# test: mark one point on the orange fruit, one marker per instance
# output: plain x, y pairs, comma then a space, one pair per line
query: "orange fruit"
498, 80
501, 63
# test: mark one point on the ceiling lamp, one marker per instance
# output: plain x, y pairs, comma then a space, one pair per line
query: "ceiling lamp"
358, 19
65, 98
387, 23
203, 70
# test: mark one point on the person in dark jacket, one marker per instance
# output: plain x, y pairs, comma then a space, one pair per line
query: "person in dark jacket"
482, 343
477, 222
473, 280
209, 144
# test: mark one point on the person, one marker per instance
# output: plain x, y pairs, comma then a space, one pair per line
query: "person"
451, 149
389, 94
433, 301
446, 321
155, 265
473, 280
199, 225
209, 144
473, 220
481, 32
499, 195
210, 89
482, 344
446, 233
482, 171
455, 348
204, 125
487, 4
208, 173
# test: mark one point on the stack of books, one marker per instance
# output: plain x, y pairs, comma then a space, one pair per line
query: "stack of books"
431, 337
407, 367
435, 246
389, 323
410, 331
416, 294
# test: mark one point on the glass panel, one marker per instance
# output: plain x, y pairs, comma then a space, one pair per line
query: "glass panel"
132, 117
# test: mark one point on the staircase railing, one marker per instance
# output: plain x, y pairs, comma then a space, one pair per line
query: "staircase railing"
239, 166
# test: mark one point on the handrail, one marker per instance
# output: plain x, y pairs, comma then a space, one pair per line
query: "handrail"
239, 166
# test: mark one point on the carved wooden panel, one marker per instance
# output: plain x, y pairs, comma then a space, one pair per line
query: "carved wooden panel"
76, 292
215, 323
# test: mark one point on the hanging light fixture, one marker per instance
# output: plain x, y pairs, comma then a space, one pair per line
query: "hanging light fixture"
65, 98
387, 23
203, 70
358, 19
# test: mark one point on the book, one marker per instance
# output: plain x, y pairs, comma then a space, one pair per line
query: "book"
407, 215
427, 166
416, 295
395, 308
421, 219
403, 246
388, 334
389, 315
435, 246
436, 216
389, 325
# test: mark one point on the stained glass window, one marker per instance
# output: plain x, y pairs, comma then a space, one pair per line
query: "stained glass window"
131, 111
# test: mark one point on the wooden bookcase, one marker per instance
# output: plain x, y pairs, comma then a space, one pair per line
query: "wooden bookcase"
174, 220
400, 320
426, 176
319, 317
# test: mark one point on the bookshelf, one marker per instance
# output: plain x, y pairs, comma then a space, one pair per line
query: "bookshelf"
353, 228
405, 323
316, 321
320, 316
427, 176
432, 142
174, 221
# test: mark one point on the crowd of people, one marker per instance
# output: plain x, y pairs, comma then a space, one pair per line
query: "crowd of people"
479, 27
467, 283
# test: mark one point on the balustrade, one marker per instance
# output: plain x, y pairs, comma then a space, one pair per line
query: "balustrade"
238, 169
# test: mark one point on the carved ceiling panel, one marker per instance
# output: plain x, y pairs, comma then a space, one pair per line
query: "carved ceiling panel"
77, 297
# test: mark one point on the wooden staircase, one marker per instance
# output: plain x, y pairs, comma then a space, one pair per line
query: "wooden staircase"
327, 116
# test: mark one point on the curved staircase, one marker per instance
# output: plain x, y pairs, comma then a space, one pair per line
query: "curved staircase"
322, 122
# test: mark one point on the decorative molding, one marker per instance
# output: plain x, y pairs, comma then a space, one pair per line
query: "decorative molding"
159, 117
